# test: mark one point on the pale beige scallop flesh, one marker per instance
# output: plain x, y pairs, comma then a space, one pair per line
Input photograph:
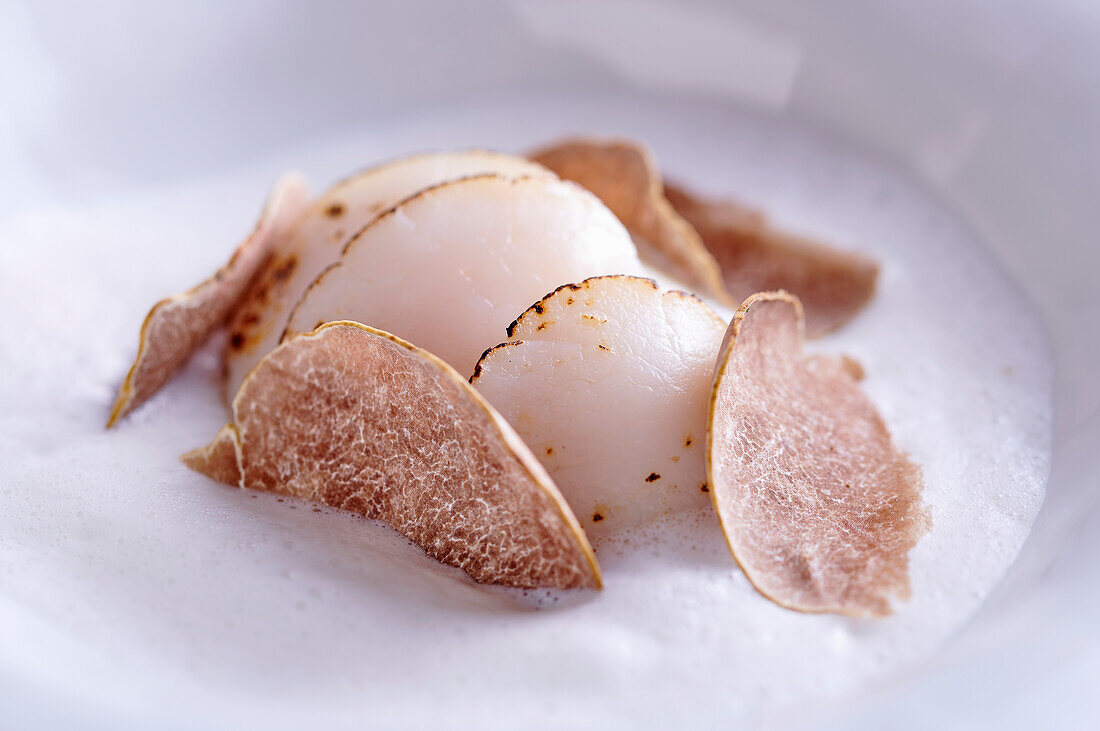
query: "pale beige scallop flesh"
449, 268
819, 506
608, 382
319, 239
178, 326
360, 420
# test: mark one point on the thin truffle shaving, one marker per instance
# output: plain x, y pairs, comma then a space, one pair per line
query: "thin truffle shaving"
625, 177
834, 285
177, 326
360, 420
818, 505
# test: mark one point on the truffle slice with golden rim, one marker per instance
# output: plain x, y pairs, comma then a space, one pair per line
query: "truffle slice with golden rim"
319, 239
221, 459
818, 505
608, 382
449, 268
834, 285
178, 326
360, 420
625, 177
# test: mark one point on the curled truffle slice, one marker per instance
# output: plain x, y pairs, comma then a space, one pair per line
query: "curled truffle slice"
818, 505
178, 326
754, 256
360, 420
625, 177
608, 382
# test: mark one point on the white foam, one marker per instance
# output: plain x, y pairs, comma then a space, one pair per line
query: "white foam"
133, 586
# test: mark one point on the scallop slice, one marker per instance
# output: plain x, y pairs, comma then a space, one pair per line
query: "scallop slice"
607, 381
625, 177
754, 256
818, 505
360, 420
179, 325
449, 268
320, 238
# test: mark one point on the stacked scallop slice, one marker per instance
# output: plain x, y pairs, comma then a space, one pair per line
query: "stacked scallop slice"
469, 348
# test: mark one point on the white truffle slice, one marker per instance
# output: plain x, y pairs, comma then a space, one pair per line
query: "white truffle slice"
319, 239
608, 382
362, 421
755, 256
449, 268
818, 505
178, 326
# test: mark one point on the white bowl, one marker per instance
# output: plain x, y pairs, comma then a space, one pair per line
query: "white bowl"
993, 107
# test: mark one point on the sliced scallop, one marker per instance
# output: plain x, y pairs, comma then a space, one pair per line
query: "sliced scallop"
449, 268
608, 382
319, 239
755, 256
625, 177
360, 420
818, 505
178, 326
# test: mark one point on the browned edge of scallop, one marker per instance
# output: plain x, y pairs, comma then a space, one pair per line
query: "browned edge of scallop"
575, 565
177, 326
396, 161
392, 210
754, 256
489, 353
624, 175
856, 599
539, 307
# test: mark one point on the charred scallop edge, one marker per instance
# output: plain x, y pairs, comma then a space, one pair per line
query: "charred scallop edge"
392, 162
490, 351
540, 306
